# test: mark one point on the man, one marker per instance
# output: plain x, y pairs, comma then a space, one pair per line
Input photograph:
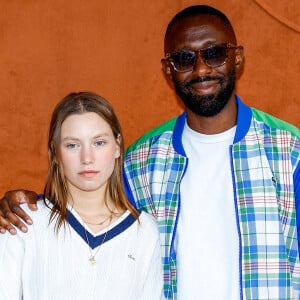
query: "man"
222, 179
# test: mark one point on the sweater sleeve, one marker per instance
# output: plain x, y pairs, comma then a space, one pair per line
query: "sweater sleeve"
153, 287
11, 257
153, 283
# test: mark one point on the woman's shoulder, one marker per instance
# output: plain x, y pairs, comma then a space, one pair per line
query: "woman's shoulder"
42, 211
147, 217
148, 221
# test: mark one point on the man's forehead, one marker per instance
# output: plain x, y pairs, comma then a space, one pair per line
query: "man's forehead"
198, 28
195, 33
198, 22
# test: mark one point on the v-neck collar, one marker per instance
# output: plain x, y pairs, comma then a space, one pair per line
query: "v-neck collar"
95, 240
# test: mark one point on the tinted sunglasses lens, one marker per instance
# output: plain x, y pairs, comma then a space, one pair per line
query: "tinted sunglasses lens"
215, 56
183, 60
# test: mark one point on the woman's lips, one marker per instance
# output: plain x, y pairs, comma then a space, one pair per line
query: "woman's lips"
88, 174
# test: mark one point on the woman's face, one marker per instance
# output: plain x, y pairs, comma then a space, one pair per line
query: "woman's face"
88, 150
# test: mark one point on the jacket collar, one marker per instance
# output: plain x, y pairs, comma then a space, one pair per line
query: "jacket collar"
244, 117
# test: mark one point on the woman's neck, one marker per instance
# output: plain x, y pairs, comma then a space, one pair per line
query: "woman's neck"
96, 209
89, 201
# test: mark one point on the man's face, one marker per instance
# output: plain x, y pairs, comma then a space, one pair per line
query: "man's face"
204, 90
206, 104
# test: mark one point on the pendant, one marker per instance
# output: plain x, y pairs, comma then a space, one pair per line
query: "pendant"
92, 260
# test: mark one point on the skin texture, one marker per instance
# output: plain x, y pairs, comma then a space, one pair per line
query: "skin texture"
204, 83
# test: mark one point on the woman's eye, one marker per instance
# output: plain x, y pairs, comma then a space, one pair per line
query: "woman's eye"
99, 143
71, 146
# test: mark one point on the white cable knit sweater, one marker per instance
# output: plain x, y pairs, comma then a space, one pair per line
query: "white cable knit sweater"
41, 265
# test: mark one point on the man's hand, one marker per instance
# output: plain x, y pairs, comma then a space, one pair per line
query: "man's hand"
12, 214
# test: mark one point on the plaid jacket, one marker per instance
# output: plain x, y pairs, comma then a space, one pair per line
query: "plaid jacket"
265, 162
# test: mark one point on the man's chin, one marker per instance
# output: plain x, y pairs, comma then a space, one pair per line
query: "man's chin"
208, 113
205, 106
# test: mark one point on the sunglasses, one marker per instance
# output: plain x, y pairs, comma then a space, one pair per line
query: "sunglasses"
213, 56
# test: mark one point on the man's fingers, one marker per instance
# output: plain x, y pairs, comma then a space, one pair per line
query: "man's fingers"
6, 226
16, 209
2, 229
17, 196
8, 219
13, 199
32, 199
21, 196
12, 214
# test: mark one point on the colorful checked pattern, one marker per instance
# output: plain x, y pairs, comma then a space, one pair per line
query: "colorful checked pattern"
266, 175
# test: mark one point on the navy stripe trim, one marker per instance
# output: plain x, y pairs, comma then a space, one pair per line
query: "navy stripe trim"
95, 241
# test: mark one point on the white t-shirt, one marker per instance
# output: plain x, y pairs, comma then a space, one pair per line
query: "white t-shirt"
41, 265
207, 240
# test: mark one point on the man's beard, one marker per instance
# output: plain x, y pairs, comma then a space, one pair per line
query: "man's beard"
206, 105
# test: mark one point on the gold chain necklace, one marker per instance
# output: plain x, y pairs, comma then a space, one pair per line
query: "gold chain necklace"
101, 223
92, 259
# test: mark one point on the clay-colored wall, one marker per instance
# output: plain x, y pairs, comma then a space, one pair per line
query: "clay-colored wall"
49, 48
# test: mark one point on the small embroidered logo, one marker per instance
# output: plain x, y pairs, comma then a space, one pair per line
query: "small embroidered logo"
131, 257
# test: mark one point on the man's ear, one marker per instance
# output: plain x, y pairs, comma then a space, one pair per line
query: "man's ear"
239, 58
166, 68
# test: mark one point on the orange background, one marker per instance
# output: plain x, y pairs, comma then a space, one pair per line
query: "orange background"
113, 47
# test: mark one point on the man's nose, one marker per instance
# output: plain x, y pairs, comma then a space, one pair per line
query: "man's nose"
200, 67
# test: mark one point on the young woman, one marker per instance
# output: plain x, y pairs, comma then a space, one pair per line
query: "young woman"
87, 241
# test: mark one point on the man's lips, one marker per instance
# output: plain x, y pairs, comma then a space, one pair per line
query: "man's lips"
206, 79
88, 173
205, 86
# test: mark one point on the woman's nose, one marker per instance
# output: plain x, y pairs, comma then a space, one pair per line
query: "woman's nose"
87, 155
